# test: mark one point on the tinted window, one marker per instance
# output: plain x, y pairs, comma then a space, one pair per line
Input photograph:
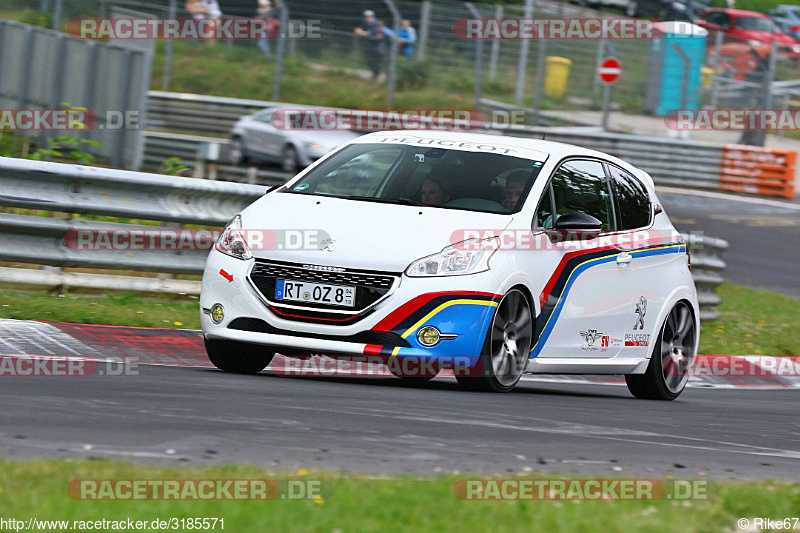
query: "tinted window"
434, 177
633, 202
582, 186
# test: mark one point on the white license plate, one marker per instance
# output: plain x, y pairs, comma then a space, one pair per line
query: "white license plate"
318, 293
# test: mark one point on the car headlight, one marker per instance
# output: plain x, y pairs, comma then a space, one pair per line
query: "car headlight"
796, 48
315, 147
677, 6
232, 241
467, 257
753, 42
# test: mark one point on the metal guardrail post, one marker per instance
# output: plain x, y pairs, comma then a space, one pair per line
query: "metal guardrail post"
57, 14
478, 58
166, 72
392, 74
522, 64
424, 29
281, 54
495, 53
715, 66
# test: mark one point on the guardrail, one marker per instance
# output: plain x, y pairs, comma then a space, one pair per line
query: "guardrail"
707, 267
160, 146
169, 199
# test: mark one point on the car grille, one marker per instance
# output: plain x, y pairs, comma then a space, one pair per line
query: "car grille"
360, 279
371, 286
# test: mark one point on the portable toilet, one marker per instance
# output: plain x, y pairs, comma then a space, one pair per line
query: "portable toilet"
677, 57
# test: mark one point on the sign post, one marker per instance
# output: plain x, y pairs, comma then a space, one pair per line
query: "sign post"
609, 72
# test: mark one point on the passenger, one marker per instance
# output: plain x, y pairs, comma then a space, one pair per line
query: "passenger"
515, 184
433, 193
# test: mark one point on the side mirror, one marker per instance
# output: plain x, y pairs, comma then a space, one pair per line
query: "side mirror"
575, 226
578, 221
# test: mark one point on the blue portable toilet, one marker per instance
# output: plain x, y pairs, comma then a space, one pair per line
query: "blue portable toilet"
677, 55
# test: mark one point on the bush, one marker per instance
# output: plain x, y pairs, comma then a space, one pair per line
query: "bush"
412, 75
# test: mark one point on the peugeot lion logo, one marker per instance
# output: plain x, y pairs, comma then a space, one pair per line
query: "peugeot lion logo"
326, 245
589, 336
641, 310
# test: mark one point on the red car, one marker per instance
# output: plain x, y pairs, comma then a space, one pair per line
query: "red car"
749, 27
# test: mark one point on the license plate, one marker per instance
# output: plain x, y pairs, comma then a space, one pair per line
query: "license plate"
318, 293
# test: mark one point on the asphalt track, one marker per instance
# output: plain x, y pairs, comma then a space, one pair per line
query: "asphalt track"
196, 415
764, 236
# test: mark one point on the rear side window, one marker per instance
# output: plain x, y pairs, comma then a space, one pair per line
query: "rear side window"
633, 202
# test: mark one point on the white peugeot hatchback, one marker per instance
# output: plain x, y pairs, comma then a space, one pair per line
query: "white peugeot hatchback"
490, 255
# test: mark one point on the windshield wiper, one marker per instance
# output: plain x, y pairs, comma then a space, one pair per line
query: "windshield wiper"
398, 201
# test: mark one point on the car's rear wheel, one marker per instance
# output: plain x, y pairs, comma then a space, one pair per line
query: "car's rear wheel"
289, 159
238, 357
506, 349
238, 151
671, 360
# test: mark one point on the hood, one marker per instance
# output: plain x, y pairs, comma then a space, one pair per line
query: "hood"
367, 235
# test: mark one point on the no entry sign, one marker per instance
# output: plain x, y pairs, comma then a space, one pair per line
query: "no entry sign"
610, 70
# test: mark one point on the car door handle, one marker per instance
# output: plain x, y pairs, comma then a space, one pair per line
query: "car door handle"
624, 258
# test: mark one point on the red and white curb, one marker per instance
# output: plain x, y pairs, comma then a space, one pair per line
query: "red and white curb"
171, 347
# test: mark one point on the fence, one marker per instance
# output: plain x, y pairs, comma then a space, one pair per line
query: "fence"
41, 69
736, 74
89, 190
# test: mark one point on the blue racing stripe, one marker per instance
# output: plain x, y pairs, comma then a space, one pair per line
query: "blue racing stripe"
548, 328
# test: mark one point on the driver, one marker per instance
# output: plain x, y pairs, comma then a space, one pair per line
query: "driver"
433, 193
515, 184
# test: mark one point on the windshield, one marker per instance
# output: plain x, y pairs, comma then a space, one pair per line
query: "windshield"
754, 23
433, 177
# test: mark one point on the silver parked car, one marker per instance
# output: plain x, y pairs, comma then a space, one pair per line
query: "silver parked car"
255, 138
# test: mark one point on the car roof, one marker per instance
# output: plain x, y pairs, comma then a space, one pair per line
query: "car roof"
736, 12
536, 149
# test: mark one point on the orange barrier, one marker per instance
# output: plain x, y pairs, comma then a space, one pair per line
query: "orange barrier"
756, 170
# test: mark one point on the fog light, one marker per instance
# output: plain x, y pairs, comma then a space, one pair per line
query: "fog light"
428, 336
217, 313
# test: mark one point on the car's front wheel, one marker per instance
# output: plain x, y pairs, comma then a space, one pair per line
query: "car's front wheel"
506, 349
238, 357
671, 360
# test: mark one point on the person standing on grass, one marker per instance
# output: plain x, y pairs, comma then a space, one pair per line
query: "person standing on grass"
205, 9
263, 12
406, 39
372, 44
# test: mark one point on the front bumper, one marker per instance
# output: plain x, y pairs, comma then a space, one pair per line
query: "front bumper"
459, 306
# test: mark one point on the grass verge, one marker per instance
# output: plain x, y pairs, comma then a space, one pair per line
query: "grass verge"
356, 503
751, 322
